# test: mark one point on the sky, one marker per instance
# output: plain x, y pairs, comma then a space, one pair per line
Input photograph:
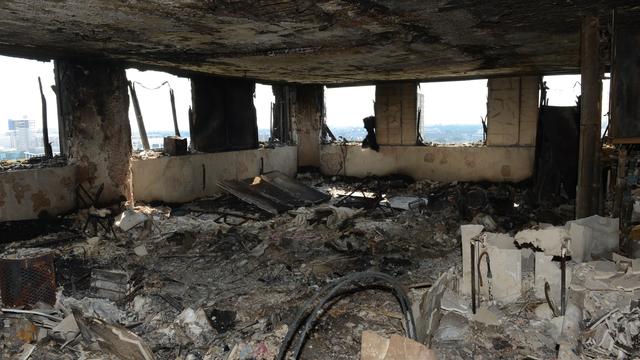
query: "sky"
20, 96
347, 106
453, 102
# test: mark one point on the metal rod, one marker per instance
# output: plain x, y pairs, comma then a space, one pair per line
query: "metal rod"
173, 112
48, 152
473, 278
563, 283
136, 108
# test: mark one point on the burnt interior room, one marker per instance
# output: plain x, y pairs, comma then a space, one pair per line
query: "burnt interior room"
375, 180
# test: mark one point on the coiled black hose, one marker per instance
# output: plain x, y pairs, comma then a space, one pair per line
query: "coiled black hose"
333, 289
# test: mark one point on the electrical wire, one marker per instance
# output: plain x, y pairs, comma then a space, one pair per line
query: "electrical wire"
153, 88
334, 289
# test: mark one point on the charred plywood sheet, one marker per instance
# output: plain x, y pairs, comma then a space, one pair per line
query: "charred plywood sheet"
274, 192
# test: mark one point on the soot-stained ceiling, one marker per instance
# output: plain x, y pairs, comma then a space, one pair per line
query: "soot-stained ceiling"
310, 41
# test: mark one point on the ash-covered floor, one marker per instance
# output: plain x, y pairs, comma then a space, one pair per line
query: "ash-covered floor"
221, 279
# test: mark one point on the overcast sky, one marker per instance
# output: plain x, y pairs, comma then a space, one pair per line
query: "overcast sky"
462, 102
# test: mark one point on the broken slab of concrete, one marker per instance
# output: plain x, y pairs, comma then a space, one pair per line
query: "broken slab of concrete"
115, 339
376, 347
599, 235
550, 239
506, 271
547, 270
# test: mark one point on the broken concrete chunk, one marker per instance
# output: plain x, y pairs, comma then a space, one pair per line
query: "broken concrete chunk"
603, 269
66, 330
549, 271
429, 310
506, 274
550, 239
376, 347
129, 218
486, 221
453, 327
601, 240
635, 266
115, 339
336, 215
141, 250
487, 316
194, 323
580, 242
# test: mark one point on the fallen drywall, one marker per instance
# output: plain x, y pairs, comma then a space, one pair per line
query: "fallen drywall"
442, 163
185, 178
27, 194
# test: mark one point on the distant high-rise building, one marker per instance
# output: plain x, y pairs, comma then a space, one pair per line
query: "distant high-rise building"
20, 132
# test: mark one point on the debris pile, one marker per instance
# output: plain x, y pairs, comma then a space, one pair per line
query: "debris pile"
615, 335
223, 277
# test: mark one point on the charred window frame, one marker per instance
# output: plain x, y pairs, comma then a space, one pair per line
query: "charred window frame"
281, 110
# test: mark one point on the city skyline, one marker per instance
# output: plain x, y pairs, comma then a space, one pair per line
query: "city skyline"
445, 103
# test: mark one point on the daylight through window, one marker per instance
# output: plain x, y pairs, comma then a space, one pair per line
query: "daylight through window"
453, 111
152, 89
21, 133
346, 107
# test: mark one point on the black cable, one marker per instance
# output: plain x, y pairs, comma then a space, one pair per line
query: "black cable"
398, 292
153, 88
333, 290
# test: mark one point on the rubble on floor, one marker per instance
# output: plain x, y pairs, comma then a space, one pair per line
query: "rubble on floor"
222, 279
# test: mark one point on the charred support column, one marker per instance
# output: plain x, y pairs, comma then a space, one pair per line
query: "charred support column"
308, 116
587, 192
94, 106
396, 111
224, 117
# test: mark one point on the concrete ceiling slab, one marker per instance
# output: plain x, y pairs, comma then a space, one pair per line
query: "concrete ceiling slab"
326, 41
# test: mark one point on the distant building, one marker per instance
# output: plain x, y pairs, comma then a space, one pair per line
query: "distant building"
20, 133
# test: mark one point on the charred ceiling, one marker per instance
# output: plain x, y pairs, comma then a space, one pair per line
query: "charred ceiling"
310, 41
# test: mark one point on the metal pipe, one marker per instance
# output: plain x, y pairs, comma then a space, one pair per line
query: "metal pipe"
473, 278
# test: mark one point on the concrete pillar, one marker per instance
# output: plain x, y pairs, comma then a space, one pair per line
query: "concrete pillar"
94, 107
308, 116
588, 189
512, 111
224, 117
396, 110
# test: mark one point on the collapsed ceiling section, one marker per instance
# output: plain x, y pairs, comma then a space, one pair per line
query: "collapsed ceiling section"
327, 41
